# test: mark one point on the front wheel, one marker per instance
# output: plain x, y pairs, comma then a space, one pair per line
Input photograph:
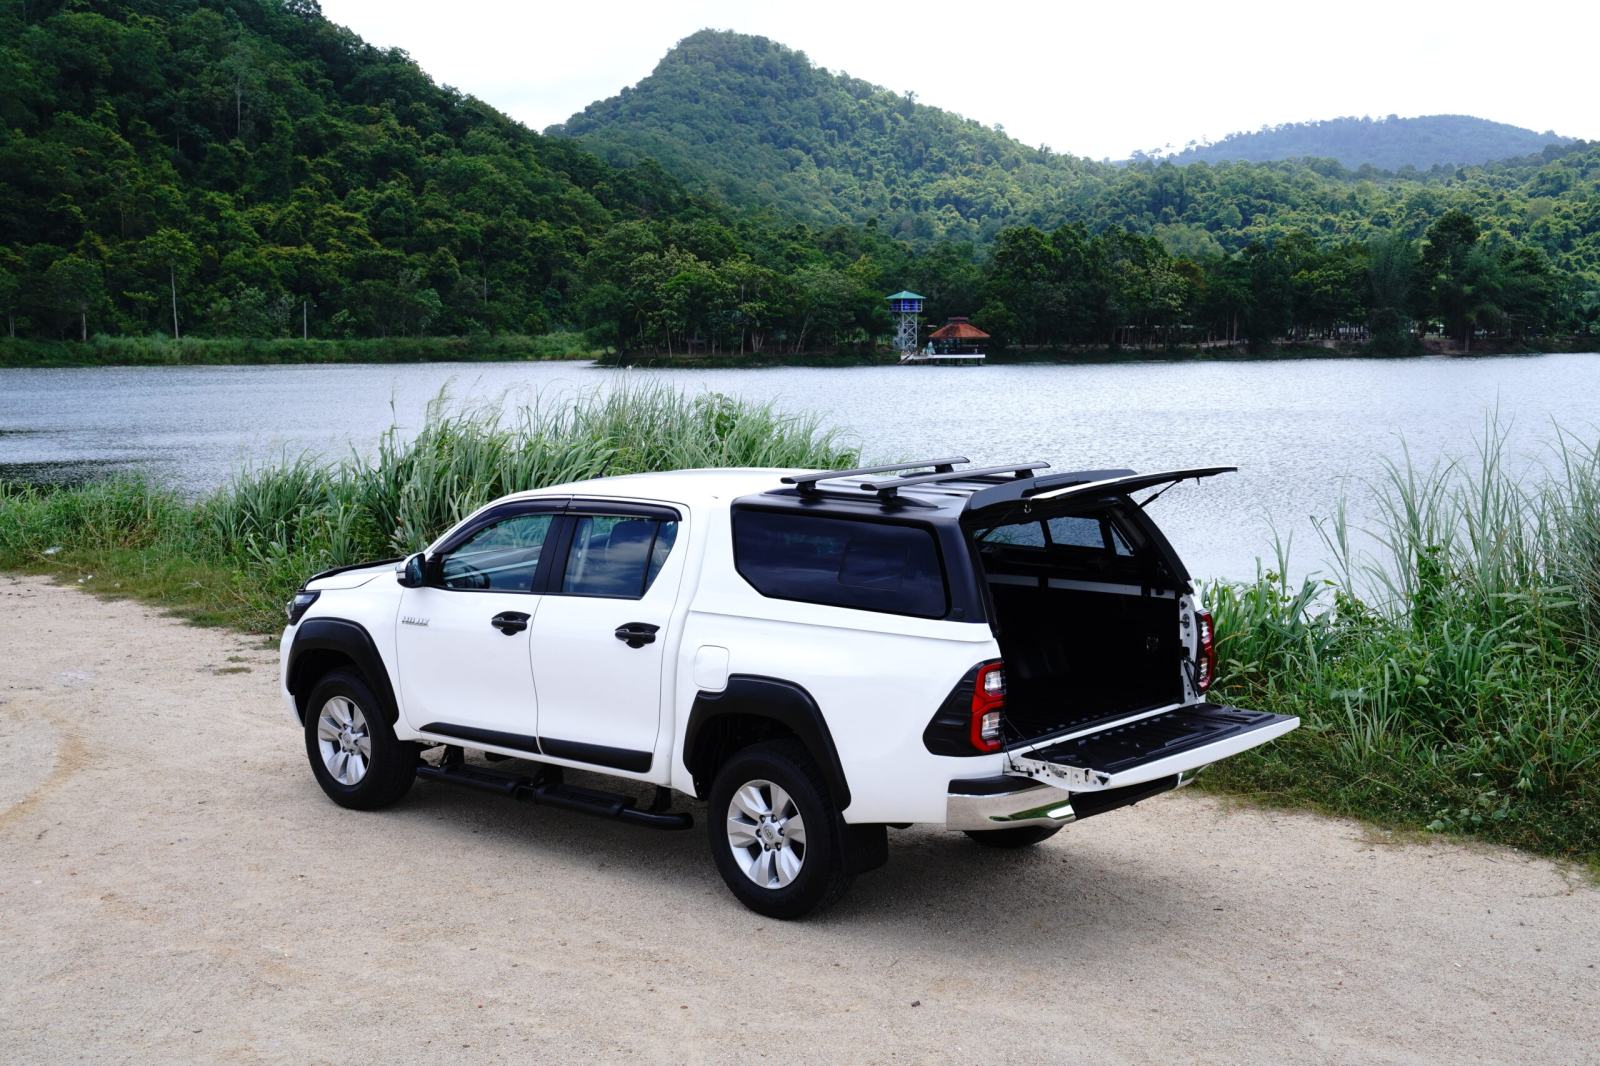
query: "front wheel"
1018, 836
774, 831
352, 747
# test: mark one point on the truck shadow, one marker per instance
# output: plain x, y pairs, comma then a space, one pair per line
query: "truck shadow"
938, 893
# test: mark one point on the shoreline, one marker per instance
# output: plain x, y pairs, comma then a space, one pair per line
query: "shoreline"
105, 351
101, 352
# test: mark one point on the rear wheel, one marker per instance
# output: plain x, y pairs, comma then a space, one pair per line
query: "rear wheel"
352, 747
774, 831
1020, 836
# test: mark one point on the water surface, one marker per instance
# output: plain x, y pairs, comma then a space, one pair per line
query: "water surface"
1300, 430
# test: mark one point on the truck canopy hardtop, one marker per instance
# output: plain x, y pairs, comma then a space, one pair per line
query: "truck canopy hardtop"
975, 491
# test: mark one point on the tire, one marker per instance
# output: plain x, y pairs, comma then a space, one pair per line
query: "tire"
352, 747
1021, 836
773, 876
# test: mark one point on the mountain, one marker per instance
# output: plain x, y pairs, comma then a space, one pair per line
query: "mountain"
756, 125
245, 168
760, 126
1387, 143
244, 164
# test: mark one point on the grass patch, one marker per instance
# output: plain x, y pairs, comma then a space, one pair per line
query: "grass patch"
218, 351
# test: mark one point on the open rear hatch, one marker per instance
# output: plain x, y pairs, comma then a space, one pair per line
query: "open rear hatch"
1148, 748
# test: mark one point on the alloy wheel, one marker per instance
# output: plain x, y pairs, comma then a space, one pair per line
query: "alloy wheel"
344, 740
766, 834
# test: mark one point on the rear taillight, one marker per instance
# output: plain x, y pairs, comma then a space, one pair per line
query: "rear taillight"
1206, 662
988, 703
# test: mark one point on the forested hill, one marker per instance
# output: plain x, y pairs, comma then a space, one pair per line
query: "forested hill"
759, 125
1386, 143
245, 163
244, 168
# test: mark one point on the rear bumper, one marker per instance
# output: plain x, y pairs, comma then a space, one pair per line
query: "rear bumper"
1005, 802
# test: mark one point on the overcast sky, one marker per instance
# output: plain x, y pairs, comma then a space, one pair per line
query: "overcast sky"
1097, 80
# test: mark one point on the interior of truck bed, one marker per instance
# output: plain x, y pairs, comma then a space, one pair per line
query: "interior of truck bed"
1087, 619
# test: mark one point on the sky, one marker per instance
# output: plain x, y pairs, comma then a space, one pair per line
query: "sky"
1097, 80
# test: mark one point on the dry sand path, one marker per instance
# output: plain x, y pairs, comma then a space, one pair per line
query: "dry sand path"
174, 888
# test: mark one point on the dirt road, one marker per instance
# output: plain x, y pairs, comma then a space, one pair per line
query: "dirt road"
174, 887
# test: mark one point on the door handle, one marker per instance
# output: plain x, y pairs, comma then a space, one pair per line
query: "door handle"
637, 634
510, 622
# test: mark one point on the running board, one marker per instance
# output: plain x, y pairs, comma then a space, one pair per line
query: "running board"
1149, 748
554, 793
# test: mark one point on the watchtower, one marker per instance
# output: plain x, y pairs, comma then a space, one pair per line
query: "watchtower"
906, 307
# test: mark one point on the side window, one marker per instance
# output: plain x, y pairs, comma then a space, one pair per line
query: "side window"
1079, 531
1027, 534
616, 556
871, 566
501, 557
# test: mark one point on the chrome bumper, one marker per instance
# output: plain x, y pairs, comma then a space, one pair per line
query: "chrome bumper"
1004, 802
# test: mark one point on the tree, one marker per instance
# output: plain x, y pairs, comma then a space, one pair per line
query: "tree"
1391, 275
826, 302
76, 285
1444, 291
10, 289
173, 252
1022, 275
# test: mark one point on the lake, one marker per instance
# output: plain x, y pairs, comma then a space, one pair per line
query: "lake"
1301, 430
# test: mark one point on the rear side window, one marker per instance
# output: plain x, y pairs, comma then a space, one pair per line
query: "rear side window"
616, 556
871, 566
1095, 533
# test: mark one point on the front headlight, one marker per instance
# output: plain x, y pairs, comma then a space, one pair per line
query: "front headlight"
298, 604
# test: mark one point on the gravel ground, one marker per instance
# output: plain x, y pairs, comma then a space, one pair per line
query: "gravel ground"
174, 887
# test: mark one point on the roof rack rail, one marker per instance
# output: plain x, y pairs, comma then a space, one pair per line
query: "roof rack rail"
888, 490
807, 483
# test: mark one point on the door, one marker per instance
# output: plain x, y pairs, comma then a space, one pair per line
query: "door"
462, 641
601, 632
1148, 747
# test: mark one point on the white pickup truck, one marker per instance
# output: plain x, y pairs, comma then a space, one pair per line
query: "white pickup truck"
815, 656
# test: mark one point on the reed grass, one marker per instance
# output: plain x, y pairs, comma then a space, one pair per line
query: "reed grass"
1447, 675
246, 547
1446, 672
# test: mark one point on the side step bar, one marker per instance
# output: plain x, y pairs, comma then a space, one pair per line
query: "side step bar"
552, 792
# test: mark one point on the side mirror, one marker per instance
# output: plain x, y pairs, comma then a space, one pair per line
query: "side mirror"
413, 573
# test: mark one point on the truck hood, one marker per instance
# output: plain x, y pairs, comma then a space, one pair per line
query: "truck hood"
352, 576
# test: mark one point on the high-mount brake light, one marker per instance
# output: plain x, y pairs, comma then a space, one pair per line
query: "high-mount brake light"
988, 705
1206, 666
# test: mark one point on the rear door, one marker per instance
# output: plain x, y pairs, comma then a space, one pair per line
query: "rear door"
998, 505
602, 631
1147, 748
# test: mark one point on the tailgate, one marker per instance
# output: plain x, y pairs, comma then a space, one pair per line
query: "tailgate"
1145, 749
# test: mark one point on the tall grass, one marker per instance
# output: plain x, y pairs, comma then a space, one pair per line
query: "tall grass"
1448, 674
236, 555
